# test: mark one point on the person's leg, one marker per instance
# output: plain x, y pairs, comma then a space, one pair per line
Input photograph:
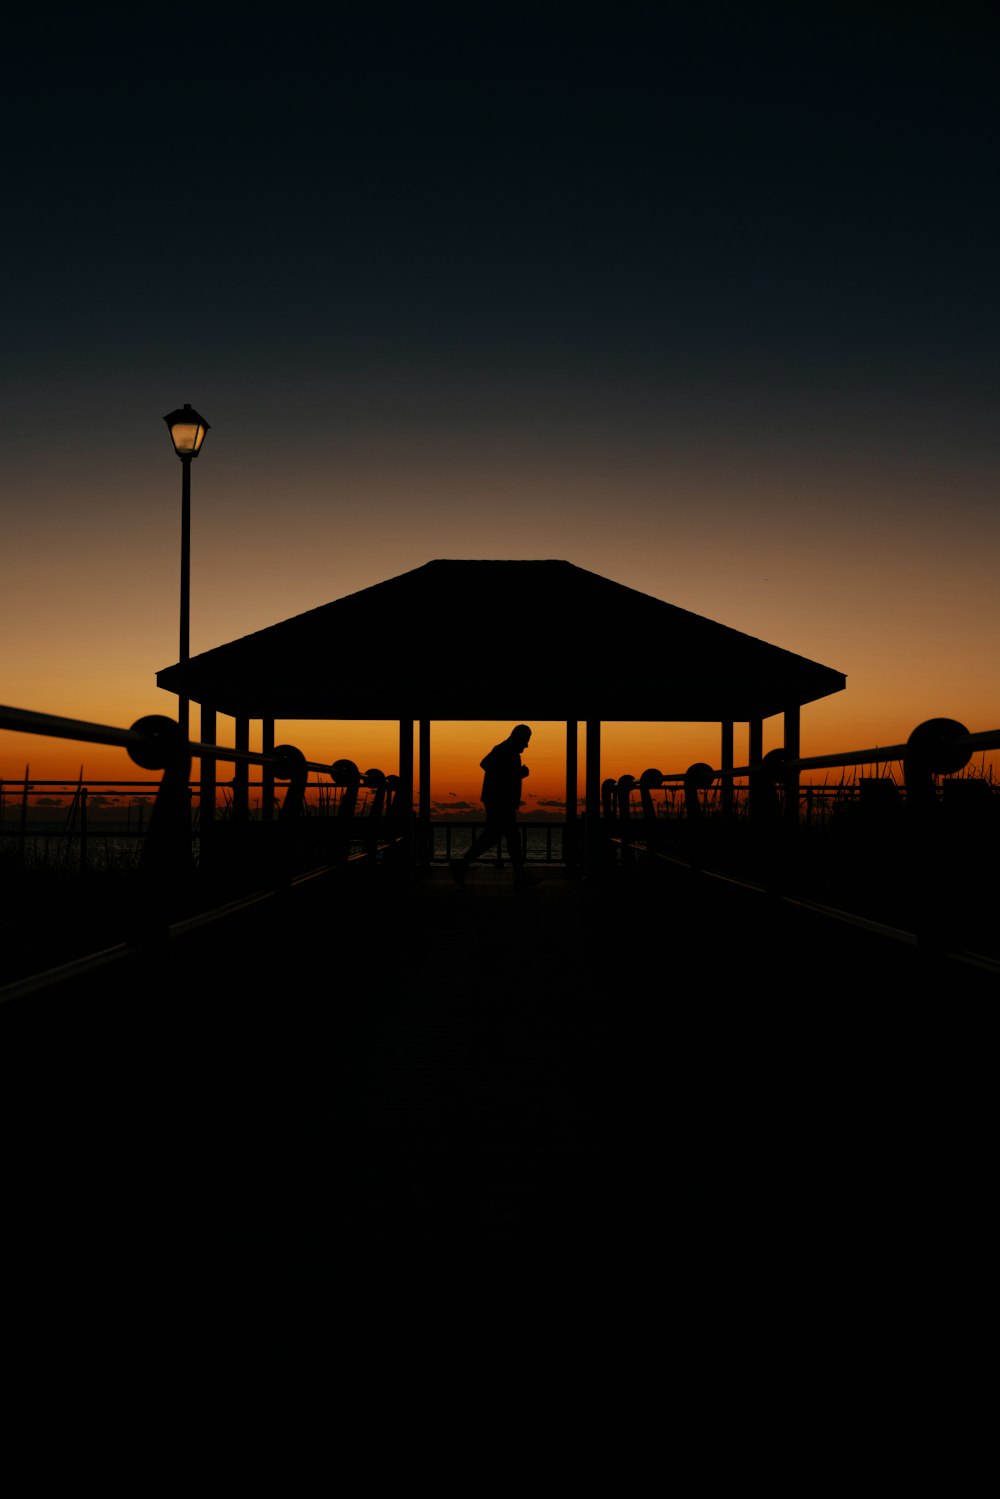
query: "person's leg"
522, 879
487, 838
512, 834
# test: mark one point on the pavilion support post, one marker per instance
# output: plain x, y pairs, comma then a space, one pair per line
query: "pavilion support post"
592, 804
267, 771
241, 772
572, 772
404, 795
726, 763
792, 752
424, 829
206, 795
404, 798
755, 744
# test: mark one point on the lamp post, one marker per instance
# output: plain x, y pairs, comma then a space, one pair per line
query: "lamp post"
187, 433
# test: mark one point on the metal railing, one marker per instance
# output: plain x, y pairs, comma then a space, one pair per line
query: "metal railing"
172, 888
542, 842
937, 747
770, 796
156, 743
890, 855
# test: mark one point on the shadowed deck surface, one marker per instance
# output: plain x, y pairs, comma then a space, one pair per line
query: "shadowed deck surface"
559, 1071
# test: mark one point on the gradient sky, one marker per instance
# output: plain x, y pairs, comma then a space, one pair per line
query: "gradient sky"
708, 306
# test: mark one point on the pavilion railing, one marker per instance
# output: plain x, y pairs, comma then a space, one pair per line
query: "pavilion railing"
747, 820
367, 824
914, 855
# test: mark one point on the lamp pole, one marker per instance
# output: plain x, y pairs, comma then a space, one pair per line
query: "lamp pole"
187, 433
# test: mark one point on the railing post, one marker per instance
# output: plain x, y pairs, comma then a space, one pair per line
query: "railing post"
396, 827
375, 781
166, 852
649, 781
623, 806
697, 778
291, 767
346, 775
929, 752
766, 819
765, 777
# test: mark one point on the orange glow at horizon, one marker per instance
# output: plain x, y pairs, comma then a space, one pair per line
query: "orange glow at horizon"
458, 747
905, 605
766, 396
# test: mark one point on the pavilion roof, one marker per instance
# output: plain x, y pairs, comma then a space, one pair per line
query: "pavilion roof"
501, 639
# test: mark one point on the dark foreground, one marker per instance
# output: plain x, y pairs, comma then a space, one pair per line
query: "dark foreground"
616, 1079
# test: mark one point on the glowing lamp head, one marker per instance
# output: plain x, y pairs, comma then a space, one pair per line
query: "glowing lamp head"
187, 431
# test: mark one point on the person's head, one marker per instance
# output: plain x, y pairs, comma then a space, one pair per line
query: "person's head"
520, 735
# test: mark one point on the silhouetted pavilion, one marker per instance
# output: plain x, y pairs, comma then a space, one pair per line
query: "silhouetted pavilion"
500, 640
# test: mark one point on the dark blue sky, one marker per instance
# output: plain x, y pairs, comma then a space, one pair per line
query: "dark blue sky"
780, 189
704, 300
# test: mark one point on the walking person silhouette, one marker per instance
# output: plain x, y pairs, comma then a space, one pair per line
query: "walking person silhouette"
501, 797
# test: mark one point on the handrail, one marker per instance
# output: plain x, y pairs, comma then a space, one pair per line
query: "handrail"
928, 837
54, 726
75, 968
880, 754
936, 747
940, 745
155, 742
837, 914
27, 722
24, 721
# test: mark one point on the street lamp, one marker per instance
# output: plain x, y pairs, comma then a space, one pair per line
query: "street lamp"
187, 433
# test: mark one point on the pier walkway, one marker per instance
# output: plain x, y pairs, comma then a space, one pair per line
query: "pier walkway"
576, 1069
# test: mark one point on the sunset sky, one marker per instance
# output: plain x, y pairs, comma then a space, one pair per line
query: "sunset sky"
701, 299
